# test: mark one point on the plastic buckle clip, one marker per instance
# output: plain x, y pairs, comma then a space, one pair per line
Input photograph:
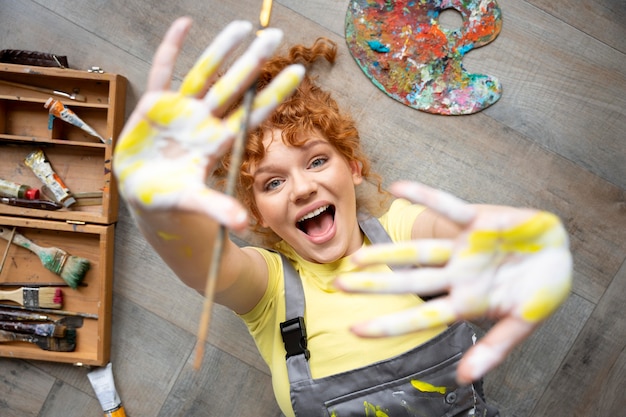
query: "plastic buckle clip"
294, 337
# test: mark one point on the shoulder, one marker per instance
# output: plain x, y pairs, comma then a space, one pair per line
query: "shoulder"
398, 221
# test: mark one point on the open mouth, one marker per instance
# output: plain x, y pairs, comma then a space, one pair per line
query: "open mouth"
318, 222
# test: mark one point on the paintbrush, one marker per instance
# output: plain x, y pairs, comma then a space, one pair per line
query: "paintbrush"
39, 329
51, 311
236, 157
71, 268
34, 204
35, 284
73, 96
56, 344
49, 297
71, 322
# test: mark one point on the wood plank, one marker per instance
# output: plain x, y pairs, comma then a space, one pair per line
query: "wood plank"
602, 19
24, 388
67, 401
222, 387
587, 382
562, 88
517, 385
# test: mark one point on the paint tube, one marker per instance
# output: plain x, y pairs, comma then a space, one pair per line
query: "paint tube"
104, 386
37, 161
11, 189
58, 109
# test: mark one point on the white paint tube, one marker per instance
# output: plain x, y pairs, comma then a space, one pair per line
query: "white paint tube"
104, 386
41, 167
58, 109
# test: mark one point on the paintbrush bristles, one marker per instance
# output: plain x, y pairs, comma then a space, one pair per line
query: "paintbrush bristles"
74, 270
35, 297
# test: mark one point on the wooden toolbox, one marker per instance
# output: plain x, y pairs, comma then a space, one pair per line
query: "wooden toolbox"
83, 162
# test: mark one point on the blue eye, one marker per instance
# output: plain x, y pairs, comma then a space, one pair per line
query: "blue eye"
318, 162
272, 185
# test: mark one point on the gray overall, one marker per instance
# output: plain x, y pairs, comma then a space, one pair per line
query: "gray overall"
420, 382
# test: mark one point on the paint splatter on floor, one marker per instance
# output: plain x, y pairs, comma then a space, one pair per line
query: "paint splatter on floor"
406, 53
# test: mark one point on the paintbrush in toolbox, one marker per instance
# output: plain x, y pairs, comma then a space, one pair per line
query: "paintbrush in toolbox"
35, 284
48, 297
55, 344
71, 322
33, 204
71, 268
71, 96
39, 329
51, 311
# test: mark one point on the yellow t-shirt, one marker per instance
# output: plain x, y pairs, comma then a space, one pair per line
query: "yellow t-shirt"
329, 313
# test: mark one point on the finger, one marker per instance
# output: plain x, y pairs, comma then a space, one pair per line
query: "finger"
160, 75
492, 349
434, 313
281, 87
418, 252
244, 71
205, 68
444, 203
398, 282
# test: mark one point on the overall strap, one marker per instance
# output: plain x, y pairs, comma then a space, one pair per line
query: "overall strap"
293, 330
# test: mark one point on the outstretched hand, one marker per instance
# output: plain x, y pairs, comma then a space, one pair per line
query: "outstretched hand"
173, 138
510, 264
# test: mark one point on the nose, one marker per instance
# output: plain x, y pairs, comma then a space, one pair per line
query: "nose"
303, 186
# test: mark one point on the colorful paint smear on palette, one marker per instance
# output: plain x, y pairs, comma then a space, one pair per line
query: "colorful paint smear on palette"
402, 48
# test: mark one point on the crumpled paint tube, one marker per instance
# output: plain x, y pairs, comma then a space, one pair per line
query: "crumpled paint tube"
40, 166
104, 386
58, 109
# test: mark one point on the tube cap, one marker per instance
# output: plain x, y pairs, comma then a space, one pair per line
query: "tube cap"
31, 194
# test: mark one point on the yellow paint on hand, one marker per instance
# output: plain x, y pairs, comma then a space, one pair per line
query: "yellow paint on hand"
134, 141
544, 302
197, 77
523, 238
426, 387
170, 108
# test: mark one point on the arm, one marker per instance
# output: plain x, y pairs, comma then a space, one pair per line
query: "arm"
173, 139
509, 264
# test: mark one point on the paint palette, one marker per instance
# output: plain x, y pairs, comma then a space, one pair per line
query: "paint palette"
84, 229
403, 49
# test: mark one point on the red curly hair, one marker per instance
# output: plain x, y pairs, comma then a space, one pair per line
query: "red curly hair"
310, 108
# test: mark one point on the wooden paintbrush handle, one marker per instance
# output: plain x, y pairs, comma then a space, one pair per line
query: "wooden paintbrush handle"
9, 336
16, 296
41, 329
22, 315
19, 239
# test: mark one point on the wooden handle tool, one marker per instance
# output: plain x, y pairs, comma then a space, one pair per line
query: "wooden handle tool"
236, 157
56, 344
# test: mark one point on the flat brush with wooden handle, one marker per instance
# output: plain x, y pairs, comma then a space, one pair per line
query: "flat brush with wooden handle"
39, 329
71, 322
55, 344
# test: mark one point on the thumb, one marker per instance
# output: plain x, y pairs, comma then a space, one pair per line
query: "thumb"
492, 349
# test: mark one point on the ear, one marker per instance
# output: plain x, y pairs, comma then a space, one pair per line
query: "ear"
356, 167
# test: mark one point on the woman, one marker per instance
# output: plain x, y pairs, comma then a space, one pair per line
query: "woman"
302, 166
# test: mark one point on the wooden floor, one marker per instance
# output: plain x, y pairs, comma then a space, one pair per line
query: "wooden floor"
556, 140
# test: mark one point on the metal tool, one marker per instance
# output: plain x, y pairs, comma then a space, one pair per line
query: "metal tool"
72, 96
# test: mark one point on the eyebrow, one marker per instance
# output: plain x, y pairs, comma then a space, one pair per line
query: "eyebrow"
305, 147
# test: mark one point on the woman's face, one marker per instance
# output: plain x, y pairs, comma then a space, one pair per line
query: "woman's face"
306, 196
